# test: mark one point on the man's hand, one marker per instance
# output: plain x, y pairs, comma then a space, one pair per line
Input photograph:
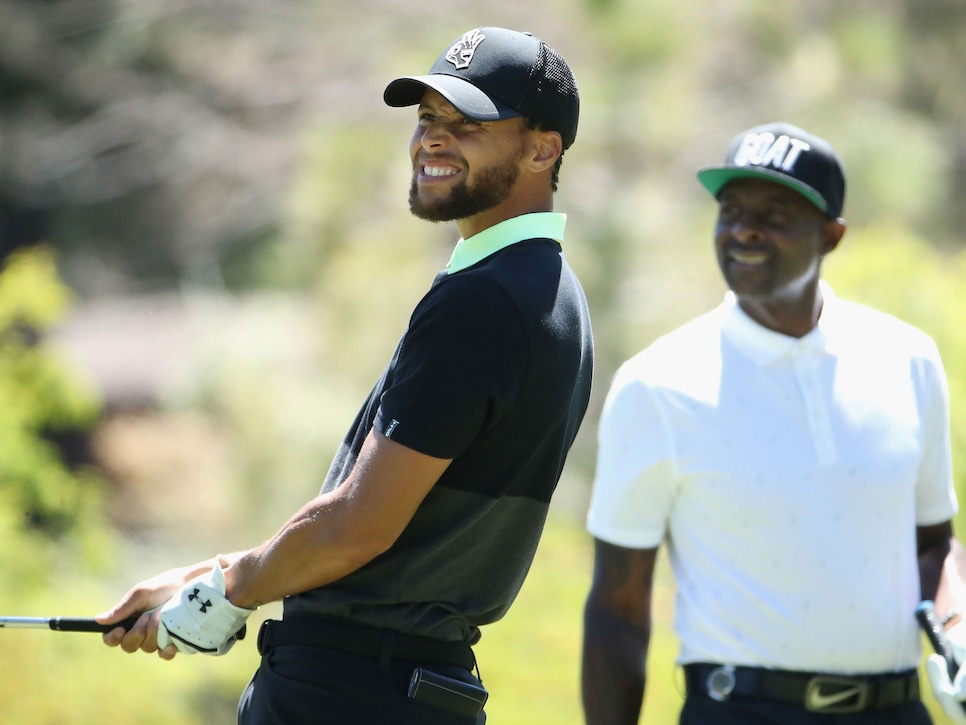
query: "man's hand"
200, 618
146, 599
950, 691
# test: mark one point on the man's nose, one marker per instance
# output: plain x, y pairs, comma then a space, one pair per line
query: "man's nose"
745, 227
433, 135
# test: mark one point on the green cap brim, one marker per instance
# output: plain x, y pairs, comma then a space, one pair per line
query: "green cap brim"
714, 178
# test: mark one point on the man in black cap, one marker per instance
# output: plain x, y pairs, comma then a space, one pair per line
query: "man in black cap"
791, 449
429, 517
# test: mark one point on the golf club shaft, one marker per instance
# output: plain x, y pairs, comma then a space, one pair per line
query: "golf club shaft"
926, 616
64, 624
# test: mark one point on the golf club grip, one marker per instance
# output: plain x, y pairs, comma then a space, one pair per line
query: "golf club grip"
926, 615
88, 624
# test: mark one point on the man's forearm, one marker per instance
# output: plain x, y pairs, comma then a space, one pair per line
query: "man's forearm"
942, 567
950, 592
341, 530
309, 551
613, 671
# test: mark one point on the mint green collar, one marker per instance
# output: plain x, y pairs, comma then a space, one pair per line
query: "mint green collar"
539, 225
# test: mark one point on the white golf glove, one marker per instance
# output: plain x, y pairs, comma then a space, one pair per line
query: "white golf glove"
951, 693
200, 618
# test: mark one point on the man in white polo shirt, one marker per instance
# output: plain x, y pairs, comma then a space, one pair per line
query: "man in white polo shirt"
792, 451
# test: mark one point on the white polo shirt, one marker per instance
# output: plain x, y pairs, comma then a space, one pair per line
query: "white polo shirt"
788, 477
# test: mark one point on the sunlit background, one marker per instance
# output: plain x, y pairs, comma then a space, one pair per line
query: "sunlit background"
207, 258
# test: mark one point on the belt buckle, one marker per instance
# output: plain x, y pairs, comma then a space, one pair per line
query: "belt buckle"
721, 682
836, 695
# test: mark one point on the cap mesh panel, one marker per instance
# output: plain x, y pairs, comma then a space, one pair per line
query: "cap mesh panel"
553, 100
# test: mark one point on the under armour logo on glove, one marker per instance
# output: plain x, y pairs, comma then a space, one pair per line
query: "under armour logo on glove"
204, 605
200, 618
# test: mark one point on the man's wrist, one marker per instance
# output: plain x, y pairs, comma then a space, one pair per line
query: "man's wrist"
237, 590
201, 618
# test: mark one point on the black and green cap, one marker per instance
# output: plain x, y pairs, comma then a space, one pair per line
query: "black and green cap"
491, 74
787, 155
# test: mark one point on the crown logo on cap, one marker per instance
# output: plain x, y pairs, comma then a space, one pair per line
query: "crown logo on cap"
461, 54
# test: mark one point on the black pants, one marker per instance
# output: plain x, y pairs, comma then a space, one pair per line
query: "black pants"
702, 710
301, 685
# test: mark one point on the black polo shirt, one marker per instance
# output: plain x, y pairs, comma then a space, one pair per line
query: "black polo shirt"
494, 371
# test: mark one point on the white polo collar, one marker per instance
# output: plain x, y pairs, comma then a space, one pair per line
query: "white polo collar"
765, 346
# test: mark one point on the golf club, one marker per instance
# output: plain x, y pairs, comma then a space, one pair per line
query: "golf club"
926, 616
64, 624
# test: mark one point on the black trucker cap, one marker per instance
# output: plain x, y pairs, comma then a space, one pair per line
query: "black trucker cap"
491, 74
788, 155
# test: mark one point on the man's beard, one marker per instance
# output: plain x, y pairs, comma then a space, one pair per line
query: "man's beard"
491, 187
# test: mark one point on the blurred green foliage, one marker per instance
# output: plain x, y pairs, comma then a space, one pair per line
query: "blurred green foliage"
49, 513
56, 542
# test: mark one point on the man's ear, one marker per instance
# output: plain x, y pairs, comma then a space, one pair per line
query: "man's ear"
834, 231
546, 148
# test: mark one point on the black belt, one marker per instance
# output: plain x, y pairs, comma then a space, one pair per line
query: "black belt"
385, 645
813, 691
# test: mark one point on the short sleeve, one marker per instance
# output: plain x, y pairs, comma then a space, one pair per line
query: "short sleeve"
460, 367
935, 493
634, 483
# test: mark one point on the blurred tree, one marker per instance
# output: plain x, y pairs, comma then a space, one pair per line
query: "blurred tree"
42, 500
934, 87
153, 143
139, 138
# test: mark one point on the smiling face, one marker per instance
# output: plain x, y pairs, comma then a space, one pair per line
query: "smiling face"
463, 168
770, 242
